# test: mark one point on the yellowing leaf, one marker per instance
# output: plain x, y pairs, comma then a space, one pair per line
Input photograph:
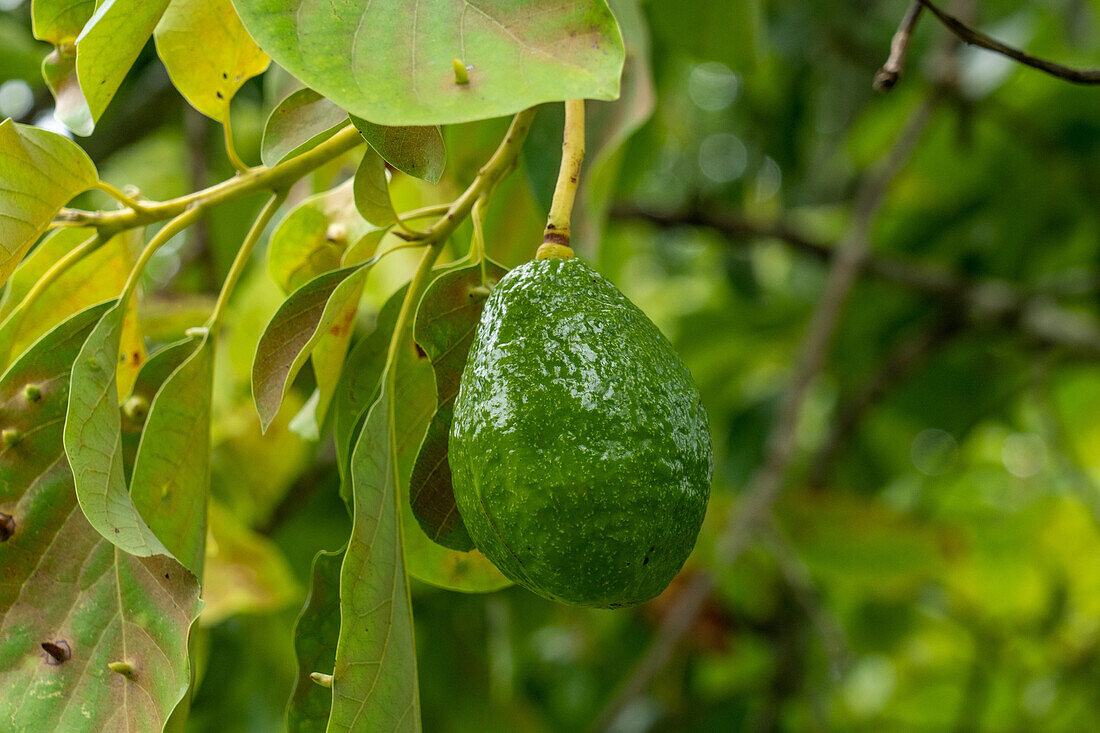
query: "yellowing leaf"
208, 53
39, 172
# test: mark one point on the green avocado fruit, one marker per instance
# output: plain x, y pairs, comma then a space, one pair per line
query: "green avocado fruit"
580, 453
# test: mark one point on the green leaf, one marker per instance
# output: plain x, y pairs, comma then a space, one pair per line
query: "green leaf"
316, 634
64, 585
108, 46
417, 151
302, 320
39, 172
313, 237
445, 325
229, 57
96, 277
358, 386
375, 687
299, 123
93, 442
172, 470
372, 191
245, 571
60, 21
470, 572
392, 62
153, 374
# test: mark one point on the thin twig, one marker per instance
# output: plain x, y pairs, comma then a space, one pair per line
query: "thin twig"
888, 75
767, 481
974, 37
907, 356
833, 638
984, 303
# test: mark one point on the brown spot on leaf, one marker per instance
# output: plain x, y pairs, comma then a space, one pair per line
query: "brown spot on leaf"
57, 652
7, 527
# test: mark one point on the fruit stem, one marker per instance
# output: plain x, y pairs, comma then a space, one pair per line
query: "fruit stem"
556, 237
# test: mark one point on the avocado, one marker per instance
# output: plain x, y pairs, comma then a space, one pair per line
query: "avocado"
580, 452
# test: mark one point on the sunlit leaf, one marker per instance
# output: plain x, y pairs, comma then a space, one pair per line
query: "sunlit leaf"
314, 236
315, 637
245, 571
39, 172
372, 191
393, 62
445, 325
94, 278
375, 687
172, 470
229, 57
60, 21
418, 151
93, 442
299, 123
66, 587
109, 44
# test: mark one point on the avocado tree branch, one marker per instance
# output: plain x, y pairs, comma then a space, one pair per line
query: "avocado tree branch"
887, 76
768, 480
985, 303
975, 37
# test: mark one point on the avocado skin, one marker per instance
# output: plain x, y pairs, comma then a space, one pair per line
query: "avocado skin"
580, 452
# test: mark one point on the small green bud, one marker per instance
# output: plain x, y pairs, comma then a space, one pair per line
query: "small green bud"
136, 409
123, 668
11, 437
322, 679
461, 74
32, 392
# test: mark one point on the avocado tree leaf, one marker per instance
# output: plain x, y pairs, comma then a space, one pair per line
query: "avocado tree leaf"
39, 172
302, 320
301, 122
392, 62
470, 572
69, 589
171, 473
372, 191
314, 236
108, 45
445, 325
98, 276
93, 442
152, 375
245, 572
70, 107
228, 58
60, 21
316, 634
375, 685
417, 151
358, 387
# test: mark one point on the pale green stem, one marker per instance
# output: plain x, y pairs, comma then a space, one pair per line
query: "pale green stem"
244, 254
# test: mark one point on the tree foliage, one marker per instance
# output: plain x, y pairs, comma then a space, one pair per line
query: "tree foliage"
244, 246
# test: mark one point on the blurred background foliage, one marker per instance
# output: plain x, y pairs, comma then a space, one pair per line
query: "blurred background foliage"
935, 560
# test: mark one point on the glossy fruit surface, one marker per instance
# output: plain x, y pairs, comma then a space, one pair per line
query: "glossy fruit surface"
580, 452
